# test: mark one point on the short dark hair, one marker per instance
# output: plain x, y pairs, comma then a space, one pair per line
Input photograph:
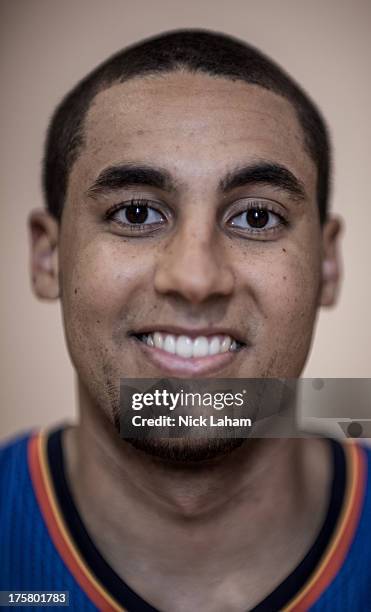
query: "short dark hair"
195, 50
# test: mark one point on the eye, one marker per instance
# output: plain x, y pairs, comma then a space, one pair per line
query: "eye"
257, 218
136, 214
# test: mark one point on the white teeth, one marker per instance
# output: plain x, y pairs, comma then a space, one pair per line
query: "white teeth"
157, 340
226, 344
200, 347
169, 344
214, 346
186, 347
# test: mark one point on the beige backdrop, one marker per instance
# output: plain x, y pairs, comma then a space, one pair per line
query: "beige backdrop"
47, 45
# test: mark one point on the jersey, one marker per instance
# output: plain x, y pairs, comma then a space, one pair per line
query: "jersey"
44, 545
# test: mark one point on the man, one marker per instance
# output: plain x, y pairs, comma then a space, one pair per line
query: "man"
187, 235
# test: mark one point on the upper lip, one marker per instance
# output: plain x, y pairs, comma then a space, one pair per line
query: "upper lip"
190, 332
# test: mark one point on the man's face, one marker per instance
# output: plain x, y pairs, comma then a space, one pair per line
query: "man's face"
229, 247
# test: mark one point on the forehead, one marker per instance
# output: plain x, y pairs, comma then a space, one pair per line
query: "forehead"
193, 124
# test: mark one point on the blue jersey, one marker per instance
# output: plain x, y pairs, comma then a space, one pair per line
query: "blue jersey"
44, 545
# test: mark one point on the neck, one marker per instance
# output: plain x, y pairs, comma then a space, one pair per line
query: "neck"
264, 493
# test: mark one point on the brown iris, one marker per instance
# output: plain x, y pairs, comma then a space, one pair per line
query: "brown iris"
136, 213
257, 217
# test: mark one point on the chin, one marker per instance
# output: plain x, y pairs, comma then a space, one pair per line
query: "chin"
185, 451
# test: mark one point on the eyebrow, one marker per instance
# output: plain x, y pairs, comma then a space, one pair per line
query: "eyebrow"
128, 175
122, 176
267, 173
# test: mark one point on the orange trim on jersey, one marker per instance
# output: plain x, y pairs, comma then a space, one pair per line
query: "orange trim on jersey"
343, 537
322, 577
58, 530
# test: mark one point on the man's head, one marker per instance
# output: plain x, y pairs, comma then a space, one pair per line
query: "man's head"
193, 178
196, 51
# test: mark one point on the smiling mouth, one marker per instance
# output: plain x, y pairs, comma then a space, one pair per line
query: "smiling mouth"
188, 347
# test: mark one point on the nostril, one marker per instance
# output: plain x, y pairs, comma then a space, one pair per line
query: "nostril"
195, 283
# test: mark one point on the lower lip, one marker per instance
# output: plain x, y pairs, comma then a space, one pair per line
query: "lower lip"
172, 364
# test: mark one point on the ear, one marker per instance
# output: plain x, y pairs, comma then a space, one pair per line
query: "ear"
44, 231
331, 267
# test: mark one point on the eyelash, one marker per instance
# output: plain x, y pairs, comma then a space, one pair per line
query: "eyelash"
143, 203
261, 204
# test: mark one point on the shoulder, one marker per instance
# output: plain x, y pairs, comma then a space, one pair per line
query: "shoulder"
13, 459
366, 448
364, 452
11, 446
362, 463
356, 520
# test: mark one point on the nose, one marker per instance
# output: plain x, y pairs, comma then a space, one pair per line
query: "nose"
195, 267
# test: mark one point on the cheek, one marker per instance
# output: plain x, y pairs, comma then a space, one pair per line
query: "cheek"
283, 288
281, 279
294, 290
101, 279
99, 285
98, 271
